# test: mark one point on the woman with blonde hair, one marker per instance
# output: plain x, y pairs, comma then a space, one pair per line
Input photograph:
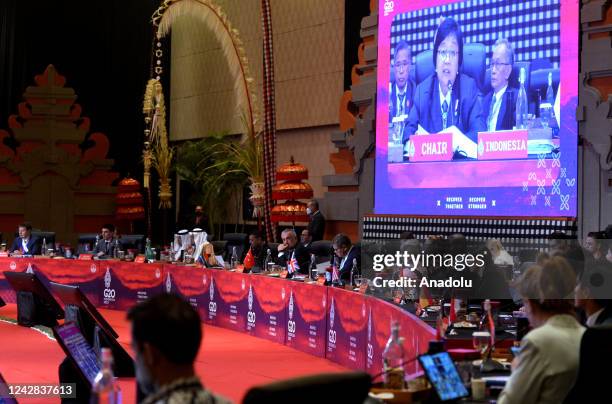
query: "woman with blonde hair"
547, 366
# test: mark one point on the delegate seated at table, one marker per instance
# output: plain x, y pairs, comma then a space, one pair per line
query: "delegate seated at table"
105, 248
26, 243
546, 367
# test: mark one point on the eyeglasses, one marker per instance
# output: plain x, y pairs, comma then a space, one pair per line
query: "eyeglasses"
445, 53
498, 65
401, 65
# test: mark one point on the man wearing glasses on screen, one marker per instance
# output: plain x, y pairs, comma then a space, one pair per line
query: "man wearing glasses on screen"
448, 101
499, 104
401, 89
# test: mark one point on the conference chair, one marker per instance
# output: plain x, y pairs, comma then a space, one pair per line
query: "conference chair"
48, 236
594, 367
219, 246
322, 250
133, 241
273, 249
87, 239
349, 387
238, 240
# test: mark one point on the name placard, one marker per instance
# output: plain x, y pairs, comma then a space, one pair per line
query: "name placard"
85, 257
508, 144
140, 259
435, 147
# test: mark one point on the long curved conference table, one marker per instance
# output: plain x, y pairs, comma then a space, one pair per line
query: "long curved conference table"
343, 326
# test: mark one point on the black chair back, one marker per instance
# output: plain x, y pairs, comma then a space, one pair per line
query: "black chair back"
238, 240
48, 236
273, 248
133, 241
594, 368
219, 246
349, 387
322, 250
87, 239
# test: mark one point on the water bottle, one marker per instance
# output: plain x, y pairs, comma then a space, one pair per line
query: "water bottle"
393, 359
268, 261
313, 266
354, 271
105, 390
234, 259
550, 94
149, 255
44, 247
521, 103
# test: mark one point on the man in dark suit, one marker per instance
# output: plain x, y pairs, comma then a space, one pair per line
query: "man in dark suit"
401, 88
500, 103
26, 243
306, 239
347, 252
106, 246
447, 100
259, 249
293, 253
316, 226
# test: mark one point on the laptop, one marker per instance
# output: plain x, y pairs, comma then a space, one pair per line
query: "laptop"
5, 397
78, 350
73, 295
443, 376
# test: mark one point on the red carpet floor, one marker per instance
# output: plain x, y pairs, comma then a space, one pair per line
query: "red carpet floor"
229, 362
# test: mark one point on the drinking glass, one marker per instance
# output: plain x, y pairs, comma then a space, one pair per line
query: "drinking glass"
481, 341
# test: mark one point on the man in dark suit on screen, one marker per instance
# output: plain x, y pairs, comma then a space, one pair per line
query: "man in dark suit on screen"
26, 243
500, 103
401, 88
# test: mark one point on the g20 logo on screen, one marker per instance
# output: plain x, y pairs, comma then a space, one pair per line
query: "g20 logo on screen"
250, 313
108, 293
389, 6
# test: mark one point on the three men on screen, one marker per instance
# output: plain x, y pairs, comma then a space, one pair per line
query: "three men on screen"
451, 101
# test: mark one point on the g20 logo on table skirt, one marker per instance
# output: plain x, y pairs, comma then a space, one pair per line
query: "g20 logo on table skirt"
13, 265
168, 283
332, 336
108, 293
250, 313
212, 305
291, 322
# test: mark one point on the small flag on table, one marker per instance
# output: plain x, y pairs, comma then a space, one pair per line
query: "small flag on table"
293, 265
249, 260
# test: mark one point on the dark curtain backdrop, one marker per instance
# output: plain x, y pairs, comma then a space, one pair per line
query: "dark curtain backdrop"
103, 49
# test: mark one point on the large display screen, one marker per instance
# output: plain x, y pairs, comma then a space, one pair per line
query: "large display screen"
476, 108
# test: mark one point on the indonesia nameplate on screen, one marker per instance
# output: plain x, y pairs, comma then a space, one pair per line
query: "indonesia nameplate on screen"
502, 145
